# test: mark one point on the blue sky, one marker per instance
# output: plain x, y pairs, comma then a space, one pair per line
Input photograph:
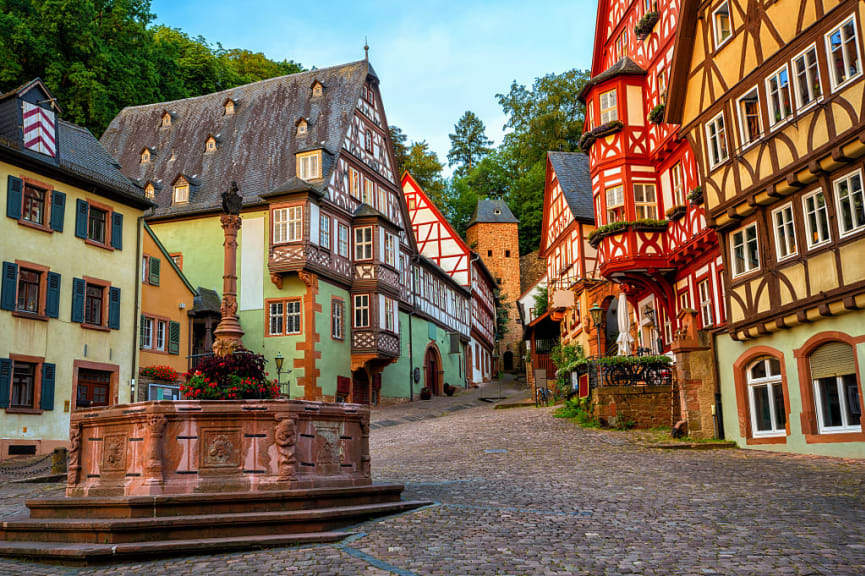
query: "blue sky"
435, 59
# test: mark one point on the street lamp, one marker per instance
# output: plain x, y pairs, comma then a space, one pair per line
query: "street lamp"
597, 314
286, 390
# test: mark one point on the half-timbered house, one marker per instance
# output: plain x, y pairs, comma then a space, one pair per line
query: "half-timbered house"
770, 97
652, 236
329, 276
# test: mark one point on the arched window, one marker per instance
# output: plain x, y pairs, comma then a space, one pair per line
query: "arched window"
836, 388
766, 398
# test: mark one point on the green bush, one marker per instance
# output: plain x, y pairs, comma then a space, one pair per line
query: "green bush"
578, 410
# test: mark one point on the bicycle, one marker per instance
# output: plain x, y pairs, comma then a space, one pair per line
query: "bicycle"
544, 397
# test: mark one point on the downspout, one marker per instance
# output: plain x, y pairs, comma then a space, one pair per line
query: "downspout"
138, 255
719, 413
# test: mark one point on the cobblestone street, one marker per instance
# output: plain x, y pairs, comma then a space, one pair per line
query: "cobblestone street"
520, 492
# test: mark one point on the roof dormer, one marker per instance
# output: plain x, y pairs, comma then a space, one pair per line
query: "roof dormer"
211, 143
302, 126
228, 106
150, 191
181, 190
39, 111
145, 155
166, 119
317, 89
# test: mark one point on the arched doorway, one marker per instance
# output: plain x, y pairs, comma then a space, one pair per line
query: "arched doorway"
611, 326
432, 369
509, 361
360, 387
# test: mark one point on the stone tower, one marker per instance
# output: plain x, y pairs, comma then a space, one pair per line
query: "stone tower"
493, 233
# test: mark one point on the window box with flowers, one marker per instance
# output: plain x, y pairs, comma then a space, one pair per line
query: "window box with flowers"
588, 138
164, 373
646, 225
645, 25
695, 196
676, 212
656, 114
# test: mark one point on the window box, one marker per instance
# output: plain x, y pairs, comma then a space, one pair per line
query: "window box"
695, 196
618, 227
676, 212
656, 114
588, 139
645, 25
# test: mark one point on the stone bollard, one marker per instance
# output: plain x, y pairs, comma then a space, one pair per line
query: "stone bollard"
58, 461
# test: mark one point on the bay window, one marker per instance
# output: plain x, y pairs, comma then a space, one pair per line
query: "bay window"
363, 243
361, 310
287, 224
615, 204
609, 108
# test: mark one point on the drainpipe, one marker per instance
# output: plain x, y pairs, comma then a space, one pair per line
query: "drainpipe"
135, 328
719, 413
410, 356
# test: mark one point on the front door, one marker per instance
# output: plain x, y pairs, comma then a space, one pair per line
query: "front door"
360, 387
432, 371
94, 387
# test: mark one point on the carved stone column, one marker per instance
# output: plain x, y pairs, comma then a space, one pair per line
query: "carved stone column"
229, 334
153, 446
286, 442
74, 469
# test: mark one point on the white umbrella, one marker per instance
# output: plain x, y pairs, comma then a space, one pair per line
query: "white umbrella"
624, 340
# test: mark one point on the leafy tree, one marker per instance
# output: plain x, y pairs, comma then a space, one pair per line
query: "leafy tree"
469, 143
541, 298
400, 150
423, 164
462, 200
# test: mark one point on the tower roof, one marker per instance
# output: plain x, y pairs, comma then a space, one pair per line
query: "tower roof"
493, 210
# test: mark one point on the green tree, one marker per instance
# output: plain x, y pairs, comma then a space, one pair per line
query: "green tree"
400, 150
469, 143
462, 199
424, 166
541, 298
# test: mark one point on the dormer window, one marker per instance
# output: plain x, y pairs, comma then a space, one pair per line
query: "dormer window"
317, 89
210, 144
166, 120
302, 128
150, 190
145, 156
181, 191
229, 107
309, 165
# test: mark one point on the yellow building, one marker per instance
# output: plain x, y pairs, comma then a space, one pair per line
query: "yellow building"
167, 299
770, 96
69, 254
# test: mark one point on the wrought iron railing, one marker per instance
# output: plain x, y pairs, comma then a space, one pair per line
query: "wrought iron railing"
607, 372
194, 360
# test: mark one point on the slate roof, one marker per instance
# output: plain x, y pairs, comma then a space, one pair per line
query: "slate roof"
572, 171
206, 301
624, 67
258, 142
493, 210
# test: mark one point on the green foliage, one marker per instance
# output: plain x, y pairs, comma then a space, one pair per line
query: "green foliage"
469, 143
501, 315
659, 361
566, 359
462, 200
656, 114
644, 26
98, 56
400, 149
580, 411
587, 140
424, 166
602, 232
541, 298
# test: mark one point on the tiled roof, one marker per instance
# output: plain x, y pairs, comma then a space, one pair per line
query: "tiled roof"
492, 210
624, 67
572, 171
258, 142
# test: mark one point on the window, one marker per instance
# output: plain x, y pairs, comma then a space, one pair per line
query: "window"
93, 388
766, 398
316, 89
146, 332
489, 252
843, 48
388, 315
507, 253
721, 28
785, 234
678, 187
816, 219
716, 140
229, 107
343, 240
210, 145
177, 258
93, 300
161, 327
684, 300
836, 388
301, 128
361, 310
149, 191
308, 166
609, 111
745, 252
324, 231
662, 86
145, 156
96, 225
355, 183
292, 317
851, 203
166, 120
336, 312
33, 208
644, 202
276, 311
749, 117
288, 224
615, 204
363, 243
367, 141
807, 77
778, 94
23, 384
29, 282
181, 191
705, 290
381, 201
368, 191
411, 203
390, 249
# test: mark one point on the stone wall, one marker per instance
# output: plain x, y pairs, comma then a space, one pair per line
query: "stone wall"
646, 406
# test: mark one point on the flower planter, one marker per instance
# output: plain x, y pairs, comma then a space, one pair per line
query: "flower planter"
676, 212
656, 114
695, 196
645, 25
588, 139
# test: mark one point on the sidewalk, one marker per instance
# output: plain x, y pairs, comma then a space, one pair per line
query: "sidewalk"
485, 395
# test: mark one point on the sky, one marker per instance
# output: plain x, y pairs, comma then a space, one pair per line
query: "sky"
435, 59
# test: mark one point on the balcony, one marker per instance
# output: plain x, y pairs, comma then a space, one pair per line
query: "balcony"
377, 276
626, 247
374, 343
307, 256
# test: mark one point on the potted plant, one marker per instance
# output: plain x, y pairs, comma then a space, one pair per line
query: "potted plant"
644, 26
166, 373
449, 390
425, 393
234, 377
656, 114
676, 212
696, 195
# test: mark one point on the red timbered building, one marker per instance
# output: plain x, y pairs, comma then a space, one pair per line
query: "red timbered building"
438, 241
652, 237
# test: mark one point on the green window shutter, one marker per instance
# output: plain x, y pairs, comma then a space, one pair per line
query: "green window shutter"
141, 331
58, 210
46, 402
9, 287
114, 308
52, 295
81, 213
174, 337
13, 197
5, 380
77, 314
153, 278
117, 231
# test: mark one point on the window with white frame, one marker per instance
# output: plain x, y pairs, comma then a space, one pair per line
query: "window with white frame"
851, 203
785, 232
766, 398
722, 29
342, 240
836, 388
324, 232
308, 167
161, 327
778, 94
684, 300
388, 314
645, 202
745, 252
146, 333
609, 109
615, 204
678, 186
181, 191
361, 310
806, 73
716, 140
276, 313
816, 218
292, 317
749, 117
390, 250
705, 289
668, 330
381, 200
287, 224
336, 323
363, 243
662, 86
842, 46
368, 192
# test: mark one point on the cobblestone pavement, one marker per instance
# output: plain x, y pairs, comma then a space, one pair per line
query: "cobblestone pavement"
519, 492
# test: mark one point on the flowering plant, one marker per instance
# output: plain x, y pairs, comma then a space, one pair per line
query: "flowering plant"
159, 373
231, 377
